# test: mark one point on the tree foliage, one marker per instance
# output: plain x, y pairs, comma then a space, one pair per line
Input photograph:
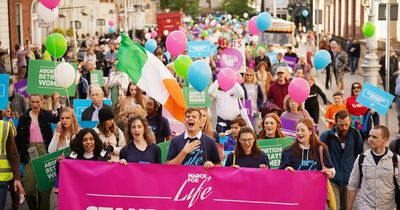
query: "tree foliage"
237, 7
189, 7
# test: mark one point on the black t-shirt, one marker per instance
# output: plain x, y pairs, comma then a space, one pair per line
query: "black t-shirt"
378, 158
248, 161
208, 151
165, 130
152, 154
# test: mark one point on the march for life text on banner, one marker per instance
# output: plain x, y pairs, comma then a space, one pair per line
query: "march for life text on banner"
155, 186
44, 168
273, 148
41, 79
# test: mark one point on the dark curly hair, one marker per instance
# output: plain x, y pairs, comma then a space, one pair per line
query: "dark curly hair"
77, 146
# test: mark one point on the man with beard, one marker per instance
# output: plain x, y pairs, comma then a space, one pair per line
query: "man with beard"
344, 145
193, 147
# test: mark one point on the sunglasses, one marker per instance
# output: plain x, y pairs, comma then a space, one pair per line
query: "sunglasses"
249, 75
357, 87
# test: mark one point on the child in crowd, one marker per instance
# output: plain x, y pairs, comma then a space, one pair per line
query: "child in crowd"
334, 108
237, 124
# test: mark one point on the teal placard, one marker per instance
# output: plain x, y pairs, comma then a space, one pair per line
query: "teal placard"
41, 79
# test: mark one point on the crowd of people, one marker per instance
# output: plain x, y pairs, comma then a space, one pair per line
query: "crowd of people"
130, 129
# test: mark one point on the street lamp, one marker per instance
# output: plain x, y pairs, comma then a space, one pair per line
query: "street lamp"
371, 64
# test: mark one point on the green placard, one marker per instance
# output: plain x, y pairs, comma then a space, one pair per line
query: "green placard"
273, 148
41, 79
44, 168
164, 147
195, 98
96, 77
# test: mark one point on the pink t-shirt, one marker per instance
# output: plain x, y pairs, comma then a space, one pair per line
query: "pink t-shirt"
35, 134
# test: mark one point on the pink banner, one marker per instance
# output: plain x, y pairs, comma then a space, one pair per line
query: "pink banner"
92, 185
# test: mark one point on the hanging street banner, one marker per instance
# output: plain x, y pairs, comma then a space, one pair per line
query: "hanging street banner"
44, 168
41, 79
4, 85
273, 148
96, 77
195, 98
88, 185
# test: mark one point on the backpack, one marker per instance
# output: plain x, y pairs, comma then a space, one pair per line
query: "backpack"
396, 186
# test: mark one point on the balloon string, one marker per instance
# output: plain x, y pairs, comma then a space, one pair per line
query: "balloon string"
55, 56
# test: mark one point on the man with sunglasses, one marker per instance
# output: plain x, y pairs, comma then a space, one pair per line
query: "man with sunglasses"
344, 145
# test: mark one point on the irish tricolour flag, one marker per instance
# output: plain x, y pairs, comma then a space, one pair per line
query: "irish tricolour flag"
151, 75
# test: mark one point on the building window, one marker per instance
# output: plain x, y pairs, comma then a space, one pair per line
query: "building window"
19, 24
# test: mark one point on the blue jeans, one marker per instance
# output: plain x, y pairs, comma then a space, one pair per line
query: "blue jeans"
353, 64
3, 194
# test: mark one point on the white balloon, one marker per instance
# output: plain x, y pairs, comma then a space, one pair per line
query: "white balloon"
229, 16
46, 14
254, 38
166, 32
245, 15
234, 20
147, 36
65, 75
118, 39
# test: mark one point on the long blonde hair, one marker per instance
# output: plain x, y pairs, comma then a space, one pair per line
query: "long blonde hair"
74, 126
207, 129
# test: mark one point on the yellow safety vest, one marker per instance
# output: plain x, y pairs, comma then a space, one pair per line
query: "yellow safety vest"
5, 167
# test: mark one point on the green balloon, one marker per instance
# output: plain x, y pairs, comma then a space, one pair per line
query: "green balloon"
204, 34
289, 17
56, 45
368, 29
181, 65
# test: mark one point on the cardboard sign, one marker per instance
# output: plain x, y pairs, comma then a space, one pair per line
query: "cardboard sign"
41, 79
195, 98
273, 148
375, 98
44, 168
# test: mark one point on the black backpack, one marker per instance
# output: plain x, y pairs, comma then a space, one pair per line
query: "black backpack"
396, 186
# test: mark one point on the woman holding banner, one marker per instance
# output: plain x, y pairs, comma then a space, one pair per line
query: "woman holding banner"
271, 127
87, 145
305, 154
140, 147
65, 130
247, 153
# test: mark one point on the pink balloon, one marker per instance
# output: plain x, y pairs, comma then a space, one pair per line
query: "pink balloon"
239, 78
253, 29
153, 34
299, 90
51, 4
226, 79
176, 43
111, 23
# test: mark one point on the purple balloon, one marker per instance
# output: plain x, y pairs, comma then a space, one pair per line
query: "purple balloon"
299, 89
226, 79
51, 4
176, 43
253, 29
231, 58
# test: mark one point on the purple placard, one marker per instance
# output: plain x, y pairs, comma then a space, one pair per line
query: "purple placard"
289, 126
20, 87
231, 58
291, 61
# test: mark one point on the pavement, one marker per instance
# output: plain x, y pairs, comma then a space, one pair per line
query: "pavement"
348, 80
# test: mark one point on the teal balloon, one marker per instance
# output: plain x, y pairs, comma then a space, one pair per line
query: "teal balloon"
321, 59
199, 75
369, 29
56, 45
305, 13
151, 45
264, 21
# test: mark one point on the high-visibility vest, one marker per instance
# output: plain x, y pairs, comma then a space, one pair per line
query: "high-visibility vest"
5, 167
